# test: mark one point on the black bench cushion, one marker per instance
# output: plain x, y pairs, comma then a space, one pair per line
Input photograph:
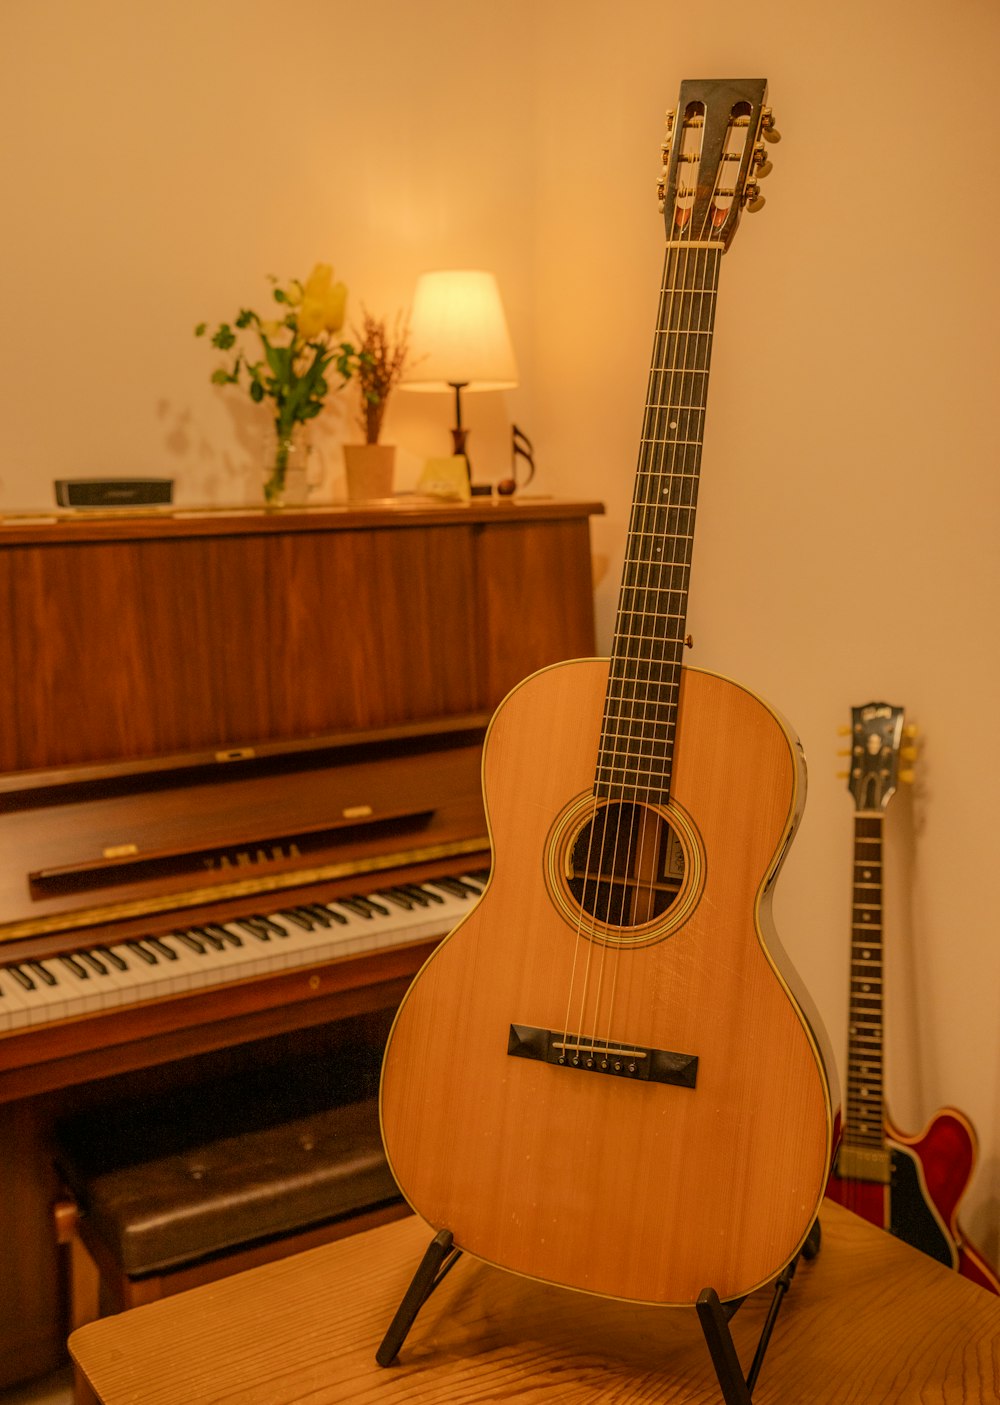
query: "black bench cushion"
192, 1176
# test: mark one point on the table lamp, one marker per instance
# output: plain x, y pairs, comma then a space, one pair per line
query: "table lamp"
459, 340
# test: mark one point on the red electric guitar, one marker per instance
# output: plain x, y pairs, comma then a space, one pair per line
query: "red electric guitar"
603, 1078
909, 1185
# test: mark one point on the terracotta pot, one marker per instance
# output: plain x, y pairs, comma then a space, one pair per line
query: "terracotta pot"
369, 469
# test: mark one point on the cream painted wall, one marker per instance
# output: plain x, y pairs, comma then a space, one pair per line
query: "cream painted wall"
159, 162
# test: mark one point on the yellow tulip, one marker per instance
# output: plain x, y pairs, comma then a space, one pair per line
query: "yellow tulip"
318, 283
310, 318
335, 307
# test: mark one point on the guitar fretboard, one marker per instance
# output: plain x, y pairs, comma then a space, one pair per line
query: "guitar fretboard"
864, 1114
640, 712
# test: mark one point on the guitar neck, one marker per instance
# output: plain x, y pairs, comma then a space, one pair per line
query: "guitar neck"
638, 727
865, 1112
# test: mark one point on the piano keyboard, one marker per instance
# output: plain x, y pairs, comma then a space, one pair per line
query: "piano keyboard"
193, 958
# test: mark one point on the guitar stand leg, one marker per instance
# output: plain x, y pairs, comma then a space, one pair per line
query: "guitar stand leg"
439, 1257
715, 1316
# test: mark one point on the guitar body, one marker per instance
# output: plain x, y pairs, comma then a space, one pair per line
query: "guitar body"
640, 1190
929, 1176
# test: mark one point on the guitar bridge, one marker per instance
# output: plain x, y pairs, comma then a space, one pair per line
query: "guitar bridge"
602, 1056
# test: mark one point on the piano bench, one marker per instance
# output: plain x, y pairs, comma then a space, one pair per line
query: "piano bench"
143, 1221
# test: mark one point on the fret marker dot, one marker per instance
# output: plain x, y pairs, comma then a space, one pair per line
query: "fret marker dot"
673, 424
866, 987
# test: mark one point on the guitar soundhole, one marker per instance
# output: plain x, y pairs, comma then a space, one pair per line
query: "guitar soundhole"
626, 866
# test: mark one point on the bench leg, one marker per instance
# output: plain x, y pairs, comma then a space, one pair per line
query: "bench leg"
84, 1278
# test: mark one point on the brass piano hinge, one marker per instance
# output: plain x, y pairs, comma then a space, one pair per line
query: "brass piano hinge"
271, 883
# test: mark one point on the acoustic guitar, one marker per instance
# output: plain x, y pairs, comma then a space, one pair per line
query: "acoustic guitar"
909, 1185
606, 1076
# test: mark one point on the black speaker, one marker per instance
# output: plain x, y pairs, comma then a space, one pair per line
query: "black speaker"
113, 492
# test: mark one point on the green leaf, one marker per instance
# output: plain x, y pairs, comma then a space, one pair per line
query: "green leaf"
201, 328
256, 392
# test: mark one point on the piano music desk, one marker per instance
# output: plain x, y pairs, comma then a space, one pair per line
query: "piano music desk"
869, 1322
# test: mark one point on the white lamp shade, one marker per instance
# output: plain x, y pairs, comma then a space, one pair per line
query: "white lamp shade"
458, 333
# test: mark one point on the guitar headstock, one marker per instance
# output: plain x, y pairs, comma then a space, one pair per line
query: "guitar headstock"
713, 156
877, 733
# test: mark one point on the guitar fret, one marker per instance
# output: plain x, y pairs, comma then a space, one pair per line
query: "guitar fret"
637, 729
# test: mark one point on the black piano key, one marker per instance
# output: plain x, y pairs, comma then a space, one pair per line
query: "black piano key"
72, 964
94, 962
423, 896
271, 924
43, 973
143, 953
357, 906
378, 907
193, 943
454, 886
299, 919
320, 914
397, 896
224, 934
254, 927
331, 911
113, 958
161, 947
22, 978
209, 937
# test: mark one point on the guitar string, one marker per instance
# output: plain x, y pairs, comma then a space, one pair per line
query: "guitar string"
684, 277
660, 459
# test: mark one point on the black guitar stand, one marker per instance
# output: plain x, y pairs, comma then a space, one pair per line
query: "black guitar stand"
714, 1315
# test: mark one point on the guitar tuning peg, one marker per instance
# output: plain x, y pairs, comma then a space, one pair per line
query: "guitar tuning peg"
843, 775
767, 128
844, 731
753, 199
907, 777
911, 730
761, 165
908, 753
846, 751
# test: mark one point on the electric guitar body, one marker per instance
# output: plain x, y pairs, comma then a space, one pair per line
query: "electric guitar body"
908, 1185
618, 1184
604, 1077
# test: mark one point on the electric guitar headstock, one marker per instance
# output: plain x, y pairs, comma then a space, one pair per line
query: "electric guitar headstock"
713, 158
877, 732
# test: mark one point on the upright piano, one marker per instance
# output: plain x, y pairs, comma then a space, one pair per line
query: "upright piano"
207, 719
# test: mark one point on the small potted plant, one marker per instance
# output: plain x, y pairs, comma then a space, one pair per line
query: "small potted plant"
382, 357
289, 367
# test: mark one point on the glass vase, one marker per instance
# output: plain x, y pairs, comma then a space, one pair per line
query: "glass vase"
286, 471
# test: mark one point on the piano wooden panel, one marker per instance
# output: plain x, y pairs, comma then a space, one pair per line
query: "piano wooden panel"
207, 715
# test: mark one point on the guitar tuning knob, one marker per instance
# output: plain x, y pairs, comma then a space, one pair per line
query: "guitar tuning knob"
846, 751
907, 777
908, 753
753, 199
844, 731
911, 730
767, 128
843, 775
761, 165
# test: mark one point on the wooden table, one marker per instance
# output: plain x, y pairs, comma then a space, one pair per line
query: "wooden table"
869, 1321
